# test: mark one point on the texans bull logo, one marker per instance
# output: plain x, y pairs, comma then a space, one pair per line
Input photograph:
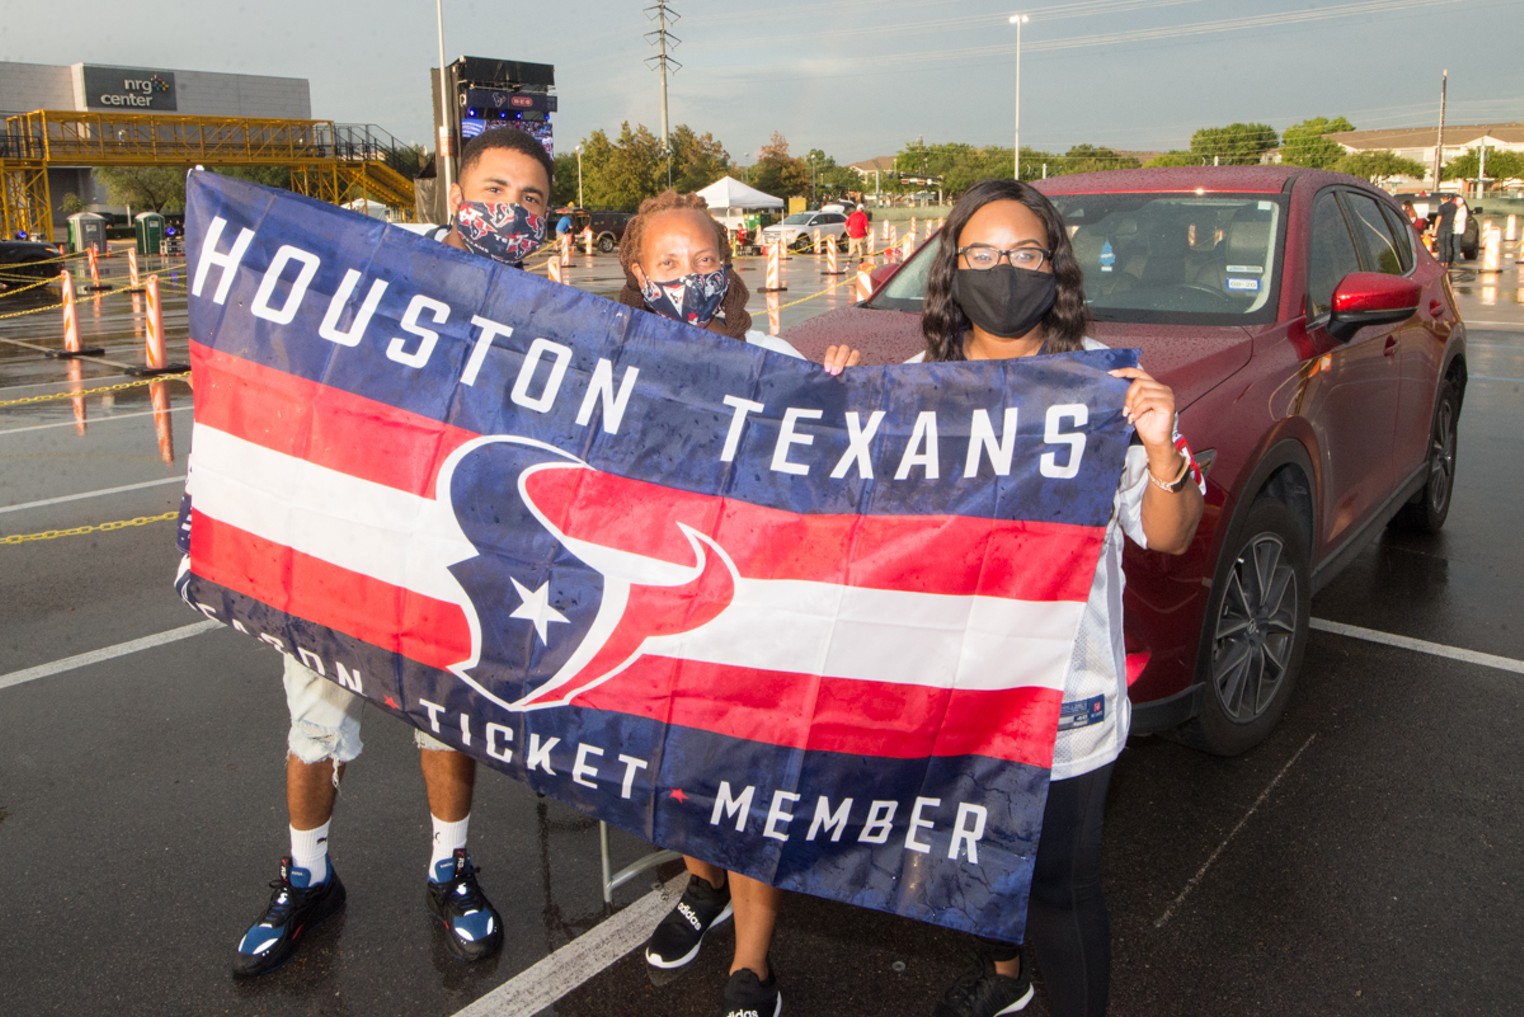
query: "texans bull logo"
576, 569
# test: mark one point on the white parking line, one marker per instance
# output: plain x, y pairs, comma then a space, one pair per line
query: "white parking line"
91, 494
1195, 880
541, 984
106, 653
94, 421
1419, 645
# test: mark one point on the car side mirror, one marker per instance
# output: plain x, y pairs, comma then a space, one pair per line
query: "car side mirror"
1371, 298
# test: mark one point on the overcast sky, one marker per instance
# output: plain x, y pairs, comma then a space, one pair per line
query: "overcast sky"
857, 78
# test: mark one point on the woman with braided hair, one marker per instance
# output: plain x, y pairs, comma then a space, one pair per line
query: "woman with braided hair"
677, 263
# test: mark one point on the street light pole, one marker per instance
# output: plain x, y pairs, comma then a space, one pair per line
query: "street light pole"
446, 136
1018, 20
579, 177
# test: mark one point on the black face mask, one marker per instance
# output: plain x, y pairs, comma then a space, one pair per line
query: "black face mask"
1004, 301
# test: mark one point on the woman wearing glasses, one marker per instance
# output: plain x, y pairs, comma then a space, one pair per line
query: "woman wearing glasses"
1005, 284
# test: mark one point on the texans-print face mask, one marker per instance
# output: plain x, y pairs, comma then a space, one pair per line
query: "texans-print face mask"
694, 298
505, 231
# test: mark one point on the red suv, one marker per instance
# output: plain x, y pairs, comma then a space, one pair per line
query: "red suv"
1319, 365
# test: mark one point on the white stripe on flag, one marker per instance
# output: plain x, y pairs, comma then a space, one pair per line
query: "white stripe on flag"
790, 626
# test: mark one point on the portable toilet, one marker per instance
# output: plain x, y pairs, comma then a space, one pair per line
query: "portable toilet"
149, 227
87, 229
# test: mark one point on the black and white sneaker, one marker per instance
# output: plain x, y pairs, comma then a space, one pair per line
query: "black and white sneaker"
295, 906
746, 995
473, 930
981, 991
677, 939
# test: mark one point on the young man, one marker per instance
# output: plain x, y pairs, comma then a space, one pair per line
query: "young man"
497, 210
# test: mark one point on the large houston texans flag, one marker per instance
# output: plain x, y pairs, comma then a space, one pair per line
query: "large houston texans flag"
810, 628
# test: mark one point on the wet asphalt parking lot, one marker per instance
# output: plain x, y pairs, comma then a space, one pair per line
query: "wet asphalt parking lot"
1367, 859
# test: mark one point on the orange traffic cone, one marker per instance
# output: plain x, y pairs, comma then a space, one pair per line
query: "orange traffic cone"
72, 345
864, 281
774, 268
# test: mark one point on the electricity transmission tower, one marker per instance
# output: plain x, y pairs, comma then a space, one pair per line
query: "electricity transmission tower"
664, 40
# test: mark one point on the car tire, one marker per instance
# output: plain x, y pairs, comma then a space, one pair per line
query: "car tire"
1427, 511
801, 244
1255, 632
606, 243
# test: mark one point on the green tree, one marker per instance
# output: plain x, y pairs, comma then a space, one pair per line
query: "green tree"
828, 180
70, 204
1379, 165
1500, 165
1175, 157
1304, 144
618, 173
1089, 158
563, 186
160, 188
698, 160
1235, 144
778, 173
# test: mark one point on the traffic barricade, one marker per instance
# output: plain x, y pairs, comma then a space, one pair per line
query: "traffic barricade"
72, 345
155, 351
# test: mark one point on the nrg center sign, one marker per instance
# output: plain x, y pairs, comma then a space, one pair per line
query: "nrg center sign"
128, 88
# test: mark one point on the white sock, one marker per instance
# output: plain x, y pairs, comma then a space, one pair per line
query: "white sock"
447, 837
309, 850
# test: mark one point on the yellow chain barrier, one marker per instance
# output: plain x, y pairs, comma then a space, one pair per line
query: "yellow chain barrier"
119, 386
80, 531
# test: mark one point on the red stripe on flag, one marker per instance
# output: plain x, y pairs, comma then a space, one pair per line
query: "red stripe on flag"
323, 425
430, 631
864, 718
952, 556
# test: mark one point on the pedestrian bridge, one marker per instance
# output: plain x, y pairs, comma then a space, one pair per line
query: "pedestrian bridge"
332, 162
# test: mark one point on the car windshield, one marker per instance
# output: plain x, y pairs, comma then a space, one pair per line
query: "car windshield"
1177, 258
1156, 258
799, 219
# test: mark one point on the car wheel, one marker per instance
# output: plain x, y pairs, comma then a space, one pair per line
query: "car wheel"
606, 243
1257, 633
801, 244
1427, 512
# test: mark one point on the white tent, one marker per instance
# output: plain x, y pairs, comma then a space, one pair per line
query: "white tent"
727, 197
366, 206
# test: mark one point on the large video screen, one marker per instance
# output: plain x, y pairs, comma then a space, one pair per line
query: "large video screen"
540, 129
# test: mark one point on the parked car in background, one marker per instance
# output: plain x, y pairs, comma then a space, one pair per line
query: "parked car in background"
23, 262
1426, 203
797, 231
1319, 367
608, 227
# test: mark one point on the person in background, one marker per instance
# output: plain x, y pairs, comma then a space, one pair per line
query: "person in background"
857, 234
1446, 237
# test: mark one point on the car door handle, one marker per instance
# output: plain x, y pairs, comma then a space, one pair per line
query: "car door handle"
1390, 349
1436, 308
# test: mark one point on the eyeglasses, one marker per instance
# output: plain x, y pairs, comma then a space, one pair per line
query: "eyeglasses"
984, 257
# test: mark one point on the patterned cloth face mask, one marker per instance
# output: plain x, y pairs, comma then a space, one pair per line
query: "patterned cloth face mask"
693, 298
504, 231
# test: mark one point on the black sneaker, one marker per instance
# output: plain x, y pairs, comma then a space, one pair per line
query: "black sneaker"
981, 991
472, 927
746, 995
677, 939
294, 907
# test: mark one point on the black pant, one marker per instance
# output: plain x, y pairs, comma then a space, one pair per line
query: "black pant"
1068, 926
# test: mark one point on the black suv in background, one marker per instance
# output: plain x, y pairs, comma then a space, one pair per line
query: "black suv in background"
607, 227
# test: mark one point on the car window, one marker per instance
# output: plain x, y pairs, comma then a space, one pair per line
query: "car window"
798, 219
1177, 258
1373, 233
831, 218
1330, 254
1402, 230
